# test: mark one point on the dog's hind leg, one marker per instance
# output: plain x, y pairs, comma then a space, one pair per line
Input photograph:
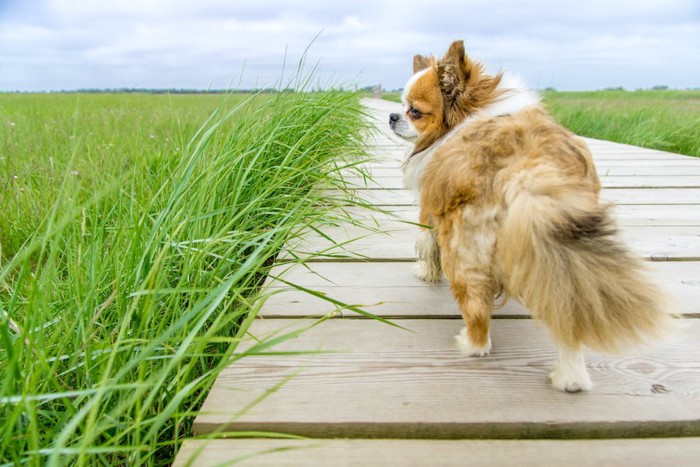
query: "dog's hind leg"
428, 264
570, 373
466, 237
475, 301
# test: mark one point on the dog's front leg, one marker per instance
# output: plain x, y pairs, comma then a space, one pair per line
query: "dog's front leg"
428, 252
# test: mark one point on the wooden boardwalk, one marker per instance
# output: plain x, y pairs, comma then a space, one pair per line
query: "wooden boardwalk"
371, 393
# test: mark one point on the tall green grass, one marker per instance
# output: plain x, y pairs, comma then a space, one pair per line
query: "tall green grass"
131, 264
665, 119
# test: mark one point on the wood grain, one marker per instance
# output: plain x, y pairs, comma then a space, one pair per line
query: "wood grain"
637, 181
601, 155
381, 381
420, 453
391, 290
626, 215
628, 169
394, 240
656, 196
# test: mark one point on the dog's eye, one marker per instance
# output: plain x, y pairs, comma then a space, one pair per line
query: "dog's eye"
414, 113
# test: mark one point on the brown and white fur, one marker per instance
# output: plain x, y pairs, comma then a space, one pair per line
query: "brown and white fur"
511, 204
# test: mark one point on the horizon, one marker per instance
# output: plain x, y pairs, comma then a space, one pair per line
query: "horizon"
656, 88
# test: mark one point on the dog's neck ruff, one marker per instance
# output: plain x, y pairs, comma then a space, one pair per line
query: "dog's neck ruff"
516, 97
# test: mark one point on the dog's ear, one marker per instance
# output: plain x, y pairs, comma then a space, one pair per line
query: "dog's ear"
420, 62
455, 53
452, 70
464, 85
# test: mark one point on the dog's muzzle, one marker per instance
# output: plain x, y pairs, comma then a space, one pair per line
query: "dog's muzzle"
402, 127
394, 120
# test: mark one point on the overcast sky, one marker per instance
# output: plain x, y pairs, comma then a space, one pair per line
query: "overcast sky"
569, 45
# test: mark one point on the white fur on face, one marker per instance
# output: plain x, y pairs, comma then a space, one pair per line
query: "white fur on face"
409, 85
404, 127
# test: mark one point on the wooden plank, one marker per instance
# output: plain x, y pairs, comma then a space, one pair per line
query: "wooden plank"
397, 154
626, 214
641, 215
639, 181
594, 142
419, 453
372, 380
606, 170
663, 243
635, 170
681, 161
690, 163
395, 241
641, 157
656, 196
391, 290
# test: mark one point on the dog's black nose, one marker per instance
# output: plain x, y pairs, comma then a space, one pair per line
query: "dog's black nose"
394, 118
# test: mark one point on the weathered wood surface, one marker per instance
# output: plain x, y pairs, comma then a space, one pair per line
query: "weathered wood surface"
627, 215
639, 181
654, 196
373, 380
422, 453
359, 378
605, 169
394, 241
391, 290
601, 154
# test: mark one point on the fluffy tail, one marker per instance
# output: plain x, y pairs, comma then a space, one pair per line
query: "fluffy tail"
559, 253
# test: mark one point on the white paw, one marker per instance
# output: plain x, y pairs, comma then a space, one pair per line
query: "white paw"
470, 349
570, 379
427, 272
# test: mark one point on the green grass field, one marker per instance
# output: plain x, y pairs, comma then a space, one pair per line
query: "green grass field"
667, 120
135, 232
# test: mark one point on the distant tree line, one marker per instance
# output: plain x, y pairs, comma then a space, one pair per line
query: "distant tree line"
268, 90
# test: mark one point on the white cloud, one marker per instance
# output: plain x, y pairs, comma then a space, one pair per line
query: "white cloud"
54, 44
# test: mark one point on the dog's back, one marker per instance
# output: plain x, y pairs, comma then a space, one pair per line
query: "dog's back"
555, 246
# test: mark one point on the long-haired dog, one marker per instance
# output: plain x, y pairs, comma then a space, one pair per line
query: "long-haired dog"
510, 201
